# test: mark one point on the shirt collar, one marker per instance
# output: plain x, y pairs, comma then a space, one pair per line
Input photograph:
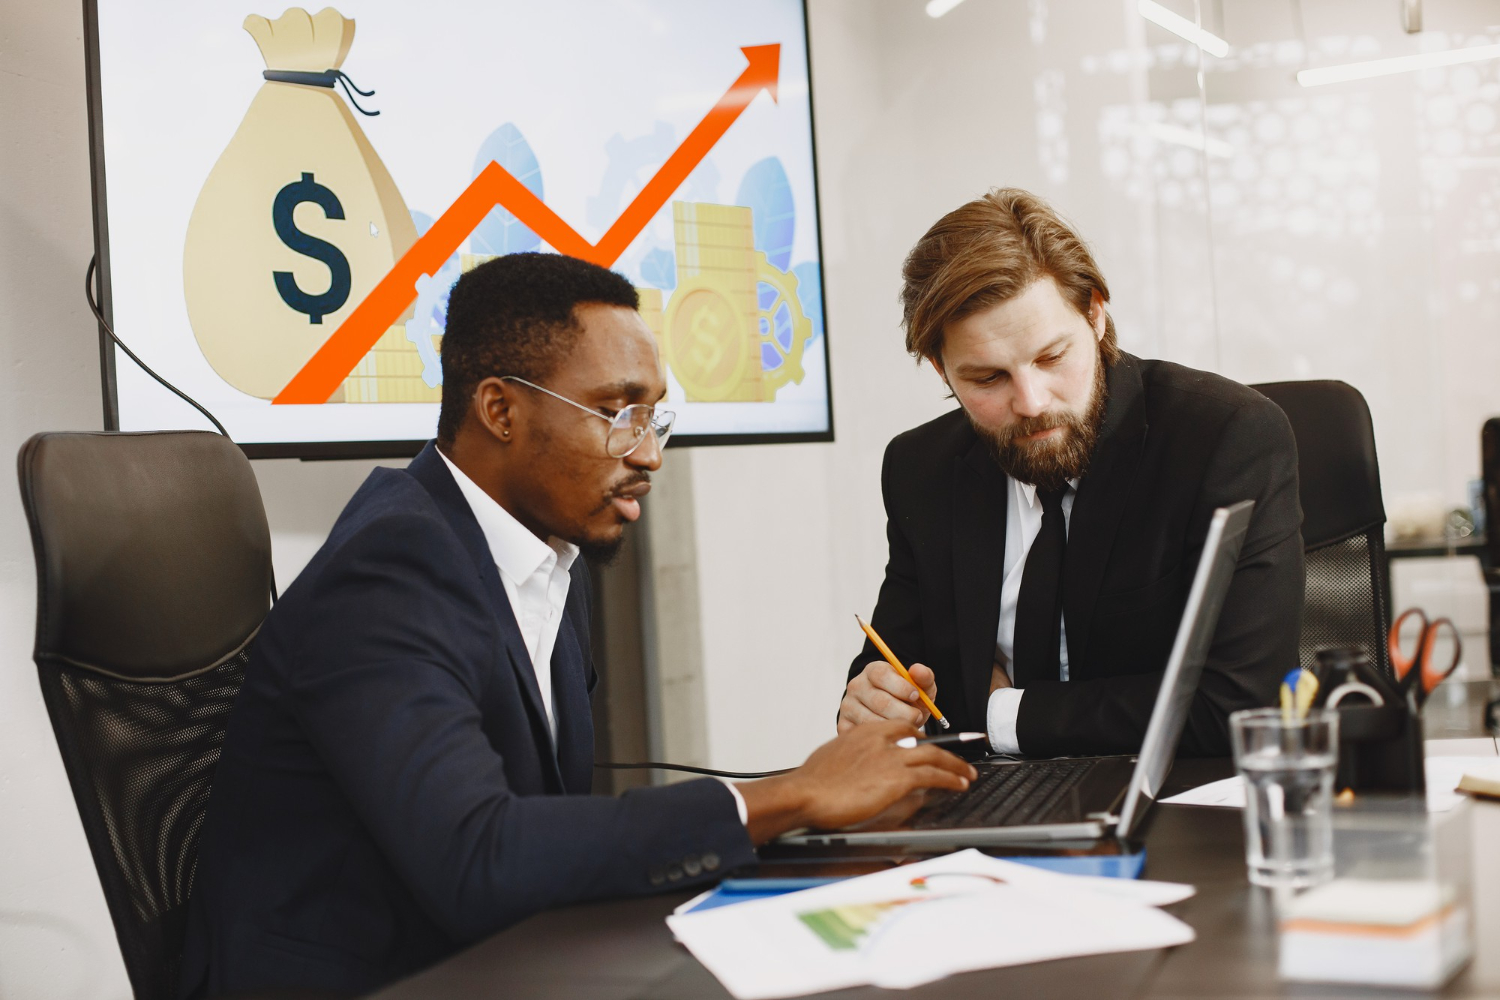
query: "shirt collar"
1028, 491
517, 552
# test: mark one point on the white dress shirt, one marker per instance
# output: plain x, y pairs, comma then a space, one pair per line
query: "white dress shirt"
535, 576
1023, 522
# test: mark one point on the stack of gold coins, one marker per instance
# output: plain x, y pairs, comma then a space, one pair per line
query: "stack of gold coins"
711, 334
390, 373
651, 311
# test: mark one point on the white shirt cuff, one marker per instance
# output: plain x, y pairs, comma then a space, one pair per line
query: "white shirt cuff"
1000, 719
739, 802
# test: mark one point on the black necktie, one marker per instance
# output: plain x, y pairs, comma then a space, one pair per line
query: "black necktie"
1039, 606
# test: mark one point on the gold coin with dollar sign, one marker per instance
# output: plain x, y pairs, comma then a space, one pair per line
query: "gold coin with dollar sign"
706, 344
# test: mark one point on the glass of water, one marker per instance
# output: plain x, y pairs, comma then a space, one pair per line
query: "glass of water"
1287, 766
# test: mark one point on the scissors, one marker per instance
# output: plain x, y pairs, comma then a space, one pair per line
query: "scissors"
1421, 669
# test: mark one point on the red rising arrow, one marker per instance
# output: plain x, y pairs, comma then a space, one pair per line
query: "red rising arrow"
354, 338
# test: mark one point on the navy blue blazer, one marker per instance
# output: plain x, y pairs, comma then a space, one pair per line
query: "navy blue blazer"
388, 791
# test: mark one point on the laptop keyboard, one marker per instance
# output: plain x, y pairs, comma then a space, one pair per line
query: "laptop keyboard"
1010, 795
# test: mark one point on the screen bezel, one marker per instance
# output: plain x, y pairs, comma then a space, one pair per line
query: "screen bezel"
312, 450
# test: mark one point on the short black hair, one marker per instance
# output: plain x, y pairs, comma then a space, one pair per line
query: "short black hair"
514, 315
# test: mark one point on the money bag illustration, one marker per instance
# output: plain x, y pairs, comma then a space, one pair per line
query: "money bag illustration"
296, 223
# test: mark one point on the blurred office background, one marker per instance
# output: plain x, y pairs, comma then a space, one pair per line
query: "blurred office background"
1248, 224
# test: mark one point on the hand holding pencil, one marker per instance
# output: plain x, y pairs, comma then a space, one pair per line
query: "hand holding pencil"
887, 690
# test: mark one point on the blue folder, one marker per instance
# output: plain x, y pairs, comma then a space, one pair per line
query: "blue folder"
742, 890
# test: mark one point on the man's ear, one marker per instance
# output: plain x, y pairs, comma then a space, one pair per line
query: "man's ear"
1097, 315
494, 408
937, 366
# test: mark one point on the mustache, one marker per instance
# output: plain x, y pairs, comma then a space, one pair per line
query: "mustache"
619, 488
1027, 426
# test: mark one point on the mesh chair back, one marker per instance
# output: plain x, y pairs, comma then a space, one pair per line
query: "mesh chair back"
1347, 599
153, 575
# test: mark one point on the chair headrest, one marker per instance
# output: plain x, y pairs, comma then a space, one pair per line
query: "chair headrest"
153, 555
1336, 466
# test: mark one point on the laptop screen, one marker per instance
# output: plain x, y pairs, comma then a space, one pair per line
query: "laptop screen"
1221, 551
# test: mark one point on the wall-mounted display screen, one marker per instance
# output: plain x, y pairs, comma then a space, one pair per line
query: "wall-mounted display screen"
285, 197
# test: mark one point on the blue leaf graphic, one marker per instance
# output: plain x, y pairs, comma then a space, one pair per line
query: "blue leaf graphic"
501, 232
768, 194
659, 269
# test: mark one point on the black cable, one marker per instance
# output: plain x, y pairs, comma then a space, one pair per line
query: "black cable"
647, 765
88, 293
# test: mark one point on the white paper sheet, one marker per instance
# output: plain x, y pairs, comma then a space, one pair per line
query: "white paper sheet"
918, 923
1443, 774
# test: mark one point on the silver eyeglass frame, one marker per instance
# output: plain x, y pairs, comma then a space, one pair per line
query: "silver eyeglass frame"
661, 427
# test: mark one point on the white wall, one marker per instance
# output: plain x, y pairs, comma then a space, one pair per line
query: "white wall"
56, 939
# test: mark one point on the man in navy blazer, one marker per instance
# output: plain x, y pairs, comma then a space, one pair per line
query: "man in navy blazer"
407, 767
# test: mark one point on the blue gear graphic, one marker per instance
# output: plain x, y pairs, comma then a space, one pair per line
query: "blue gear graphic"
422, 327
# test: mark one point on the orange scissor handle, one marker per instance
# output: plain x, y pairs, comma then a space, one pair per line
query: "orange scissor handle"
1421, 667
1400, 662
1434, 673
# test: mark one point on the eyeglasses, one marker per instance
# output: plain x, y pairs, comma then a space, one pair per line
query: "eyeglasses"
627, 428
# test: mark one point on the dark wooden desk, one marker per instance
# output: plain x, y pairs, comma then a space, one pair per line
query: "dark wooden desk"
623, 950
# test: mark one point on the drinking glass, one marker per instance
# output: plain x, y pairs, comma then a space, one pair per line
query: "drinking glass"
1287, 765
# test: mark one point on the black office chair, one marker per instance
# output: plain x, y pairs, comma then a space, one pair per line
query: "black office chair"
1489, 463
153, 563
1343, 519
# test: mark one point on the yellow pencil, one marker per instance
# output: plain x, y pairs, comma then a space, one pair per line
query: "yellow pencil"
890, 658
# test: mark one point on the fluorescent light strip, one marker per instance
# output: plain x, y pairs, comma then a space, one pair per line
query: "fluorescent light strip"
1399, 64
1177, 25
937, 8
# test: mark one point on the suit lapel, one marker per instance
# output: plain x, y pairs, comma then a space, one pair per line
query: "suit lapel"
429, 469
1100, 502
979, 499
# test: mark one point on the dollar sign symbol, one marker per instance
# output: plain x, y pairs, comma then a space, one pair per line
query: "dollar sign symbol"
287, 200
708, 347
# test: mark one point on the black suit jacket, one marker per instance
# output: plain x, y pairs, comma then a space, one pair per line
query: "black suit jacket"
1175, 444
388, 791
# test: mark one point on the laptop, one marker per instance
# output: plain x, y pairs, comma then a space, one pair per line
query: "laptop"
1079, 798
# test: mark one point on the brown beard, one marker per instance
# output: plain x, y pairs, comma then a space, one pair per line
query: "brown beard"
1051, 463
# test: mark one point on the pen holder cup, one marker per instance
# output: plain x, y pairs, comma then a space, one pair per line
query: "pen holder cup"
1399, 909
1380, 748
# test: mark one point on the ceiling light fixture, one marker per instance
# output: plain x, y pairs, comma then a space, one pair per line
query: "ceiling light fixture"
937, 8
1398, 64
1177, 25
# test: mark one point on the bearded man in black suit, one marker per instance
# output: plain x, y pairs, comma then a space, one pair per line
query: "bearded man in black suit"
1043, 535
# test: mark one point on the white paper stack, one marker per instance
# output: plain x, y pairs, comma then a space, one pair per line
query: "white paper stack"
918, 923
1384, 932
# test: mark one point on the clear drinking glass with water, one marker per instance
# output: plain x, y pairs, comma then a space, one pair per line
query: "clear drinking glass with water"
1287, 765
